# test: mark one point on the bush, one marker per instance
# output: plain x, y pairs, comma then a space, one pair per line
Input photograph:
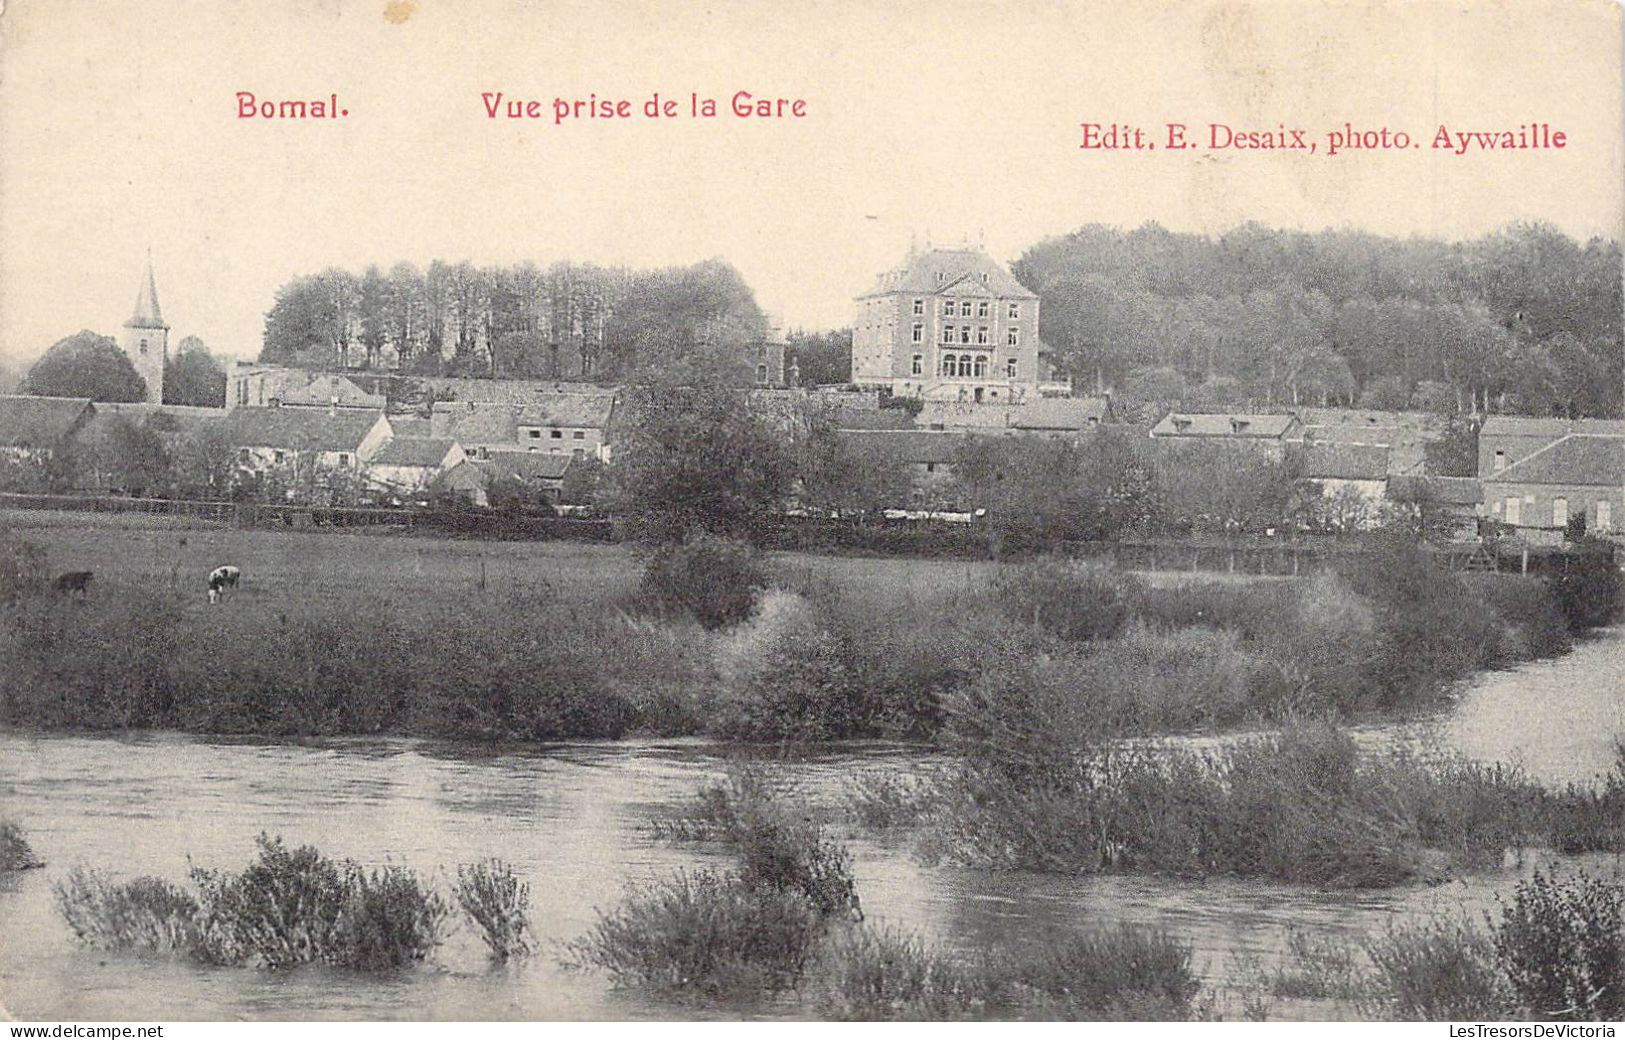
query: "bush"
1562, 945
289, 907
1435, 970
710, 932
871, 974
15, 852
1074, 601
1589, 589
714, 579
499, 904
1533, 618
782, 677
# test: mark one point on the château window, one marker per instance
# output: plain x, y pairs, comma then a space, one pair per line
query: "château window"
1010, 369
947, 334
964, 334
964, 309
918, 365
981, 335
981, 309
947, 364
947, 308
143, 348
1013, 338
981, 366
919, 306
964, 365
919, 332
1015, 311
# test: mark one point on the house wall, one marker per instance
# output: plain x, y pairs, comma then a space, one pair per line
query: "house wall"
561, 440
1537, 505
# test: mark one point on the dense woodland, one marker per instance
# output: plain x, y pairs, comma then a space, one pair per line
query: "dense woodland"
1525, 320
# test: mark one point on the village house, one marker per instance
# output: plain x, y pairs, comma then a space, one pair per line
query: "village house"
269, 386
1272, 435
37, 428
467, 481
571, 424
1506, 439
948, 324
1404, 434
410, 464
304, 442
1353, 481
926, 456
537, 470
1577, 475
1040, 416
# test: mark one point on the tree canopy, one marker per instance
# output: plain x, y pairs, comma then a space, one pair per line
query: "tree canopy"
570, 321
85, 364
192, 376
1523, 320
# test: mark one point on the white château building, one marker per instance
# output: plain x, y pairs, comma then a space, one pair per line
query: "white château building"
948, 324
146, 337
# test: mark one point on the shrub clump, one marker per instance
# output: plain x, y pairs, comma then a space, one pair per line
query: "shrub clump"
1071, 600
716, 580
290, 907
15, 852
709, 932
499, 904
1562, 945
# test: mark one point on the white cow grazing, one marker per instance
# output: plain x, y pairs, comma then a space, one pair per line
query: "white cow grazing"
221, 579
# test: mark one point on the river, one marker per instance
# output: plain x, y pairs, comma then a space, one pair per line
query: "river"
574, 820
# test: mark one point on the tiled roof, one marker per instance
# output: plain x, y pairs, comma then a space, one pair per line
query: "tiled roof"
937, 269
1059, 413
530, 465
1324, 461
1586, 459
294, 387
413, 451
1527, 426
567, 409
300, 429
465, 476
410, 426
39, 422
910, 446
1231, 424
471, 422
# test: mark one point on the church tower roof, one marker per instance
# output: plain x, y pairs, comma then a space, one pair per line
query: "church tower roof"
147, 315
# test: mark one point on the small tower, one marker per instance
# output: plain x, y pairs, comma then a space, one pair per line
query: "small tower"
146, 337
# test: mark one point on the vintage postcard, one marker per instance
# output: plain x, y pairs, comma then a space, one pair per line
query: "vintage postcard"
827, 510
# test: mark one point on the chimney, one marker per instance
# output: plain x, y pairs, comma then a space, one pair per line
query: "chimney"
333, 405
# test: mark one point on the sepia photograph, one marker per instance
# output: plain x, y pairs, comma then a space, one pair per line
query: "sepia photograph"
609, 511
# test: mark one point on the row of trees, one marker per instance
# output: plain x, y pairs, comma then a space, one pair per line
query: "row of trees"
87, 364
567, 321
1523, 320
701, 459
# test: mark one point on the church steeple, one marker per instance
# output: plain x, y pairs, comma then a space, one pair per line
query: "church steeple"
146, 337
147, 313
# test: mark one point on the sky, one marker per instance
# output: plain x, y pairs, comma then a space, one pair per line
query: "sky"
957, 120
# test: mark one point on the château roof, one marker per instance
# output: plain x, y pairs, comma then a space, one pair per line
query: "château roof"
147, 314
936, 269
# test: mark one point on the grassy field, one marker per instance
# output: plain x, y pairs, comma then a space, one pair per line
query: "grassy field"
287, 567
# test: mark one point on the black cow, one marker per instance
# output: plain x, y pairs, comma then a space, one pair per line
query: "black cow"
73, 581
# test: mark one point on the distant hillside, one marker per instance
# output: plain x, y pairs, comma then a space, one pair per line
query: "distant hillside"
1524, 320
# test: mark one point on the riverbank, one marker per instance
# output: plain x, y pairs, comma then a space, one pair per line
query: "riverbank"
548, 641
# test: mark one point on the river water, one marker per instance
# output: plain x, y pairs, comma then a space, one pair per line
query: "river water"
574, 820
